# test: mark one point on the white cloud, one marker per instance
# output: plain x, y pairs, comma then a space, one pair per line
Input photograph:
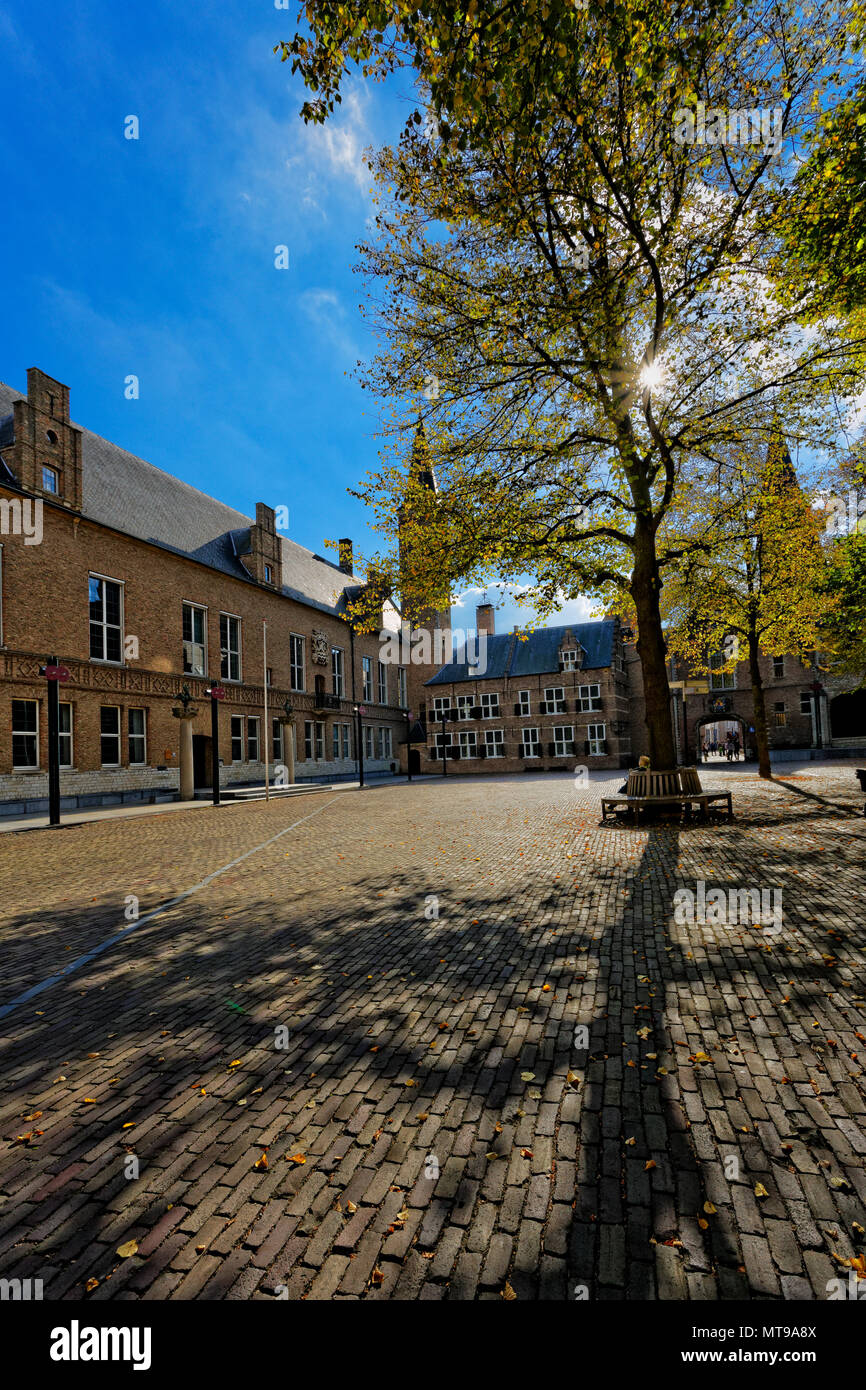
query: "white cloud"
344, 139
326, 311
512, 610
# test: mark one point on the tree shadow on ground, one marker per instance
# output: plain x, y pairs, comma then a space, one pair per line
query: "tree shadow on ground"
628, 1138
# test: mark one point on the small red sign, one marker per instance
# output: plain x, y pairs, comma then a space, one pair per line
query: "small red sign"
218, 692
362, 709
57, 673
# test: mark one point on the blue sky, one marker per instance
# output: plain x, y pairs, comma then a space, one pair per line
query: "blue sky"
155, 257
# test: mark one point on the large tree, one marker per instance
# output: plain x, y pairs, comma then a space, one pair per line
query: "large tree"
575, 295
759, 588
844, 626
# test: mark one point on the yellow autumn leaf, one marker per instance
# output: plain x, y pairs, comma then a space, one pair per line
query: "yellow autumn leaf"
129, 1248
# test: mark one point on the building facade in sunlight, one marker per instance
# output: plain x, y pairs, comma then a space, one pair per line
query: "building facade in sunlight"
140, 585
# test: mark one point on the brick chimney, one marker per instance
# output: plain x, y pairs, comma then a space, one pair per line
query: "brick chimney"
485, 618
345, 552
46, 454
265, 558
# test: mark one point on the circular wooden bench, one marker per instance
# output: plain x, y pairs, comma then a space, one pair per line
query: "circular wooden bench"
648, 790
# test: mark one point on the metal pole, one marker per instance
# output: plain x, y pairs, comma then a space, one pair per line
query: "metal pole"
444, 762
265, 659
409, 746
685, 733
53, 748
360, 753
215, 748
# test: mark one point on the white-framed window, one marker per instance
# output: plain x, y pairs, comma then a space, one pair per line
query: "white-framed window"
367, 678
338, 683
778, 668
368, 743
779, 714
568, 660
106, 618
136, 732
441, 705
554, 698
490, 705
442, 741
109, 735
465, 704
495, 742
402, 689
230, 647
50, 479
588, 697
237, 737
524, 702
383, 683
253, 739
277, 740
342, 741
531, 743
66, 736
269, 676
194, 640
25, 734
269, 575
596, 735
563, 740
296, 662
467, 743
384, 743
805, 704
309, 740
320, 742
347, 740
719, 679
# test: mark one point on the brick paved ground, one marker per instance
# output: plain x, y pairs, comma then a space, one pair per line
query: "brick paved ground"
420, 1046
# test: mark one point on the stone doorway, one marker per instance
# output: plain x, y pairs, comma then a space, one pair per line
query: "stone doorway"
202, 761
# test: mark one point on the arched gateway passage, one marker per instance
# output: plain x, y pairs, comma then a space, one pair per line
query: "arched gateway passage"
712, 729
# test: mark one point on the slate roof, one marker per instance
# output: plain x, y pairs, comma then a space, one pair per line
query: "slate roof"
538, 655
125, 492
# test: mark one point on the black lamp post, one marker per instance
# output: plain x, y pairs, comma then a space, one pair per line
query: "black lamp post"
216, 693
409, 744
444, 759
357, 709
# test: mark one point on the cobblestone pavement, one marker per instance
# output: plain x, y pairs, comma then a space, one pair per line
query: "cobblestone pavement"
435, 1126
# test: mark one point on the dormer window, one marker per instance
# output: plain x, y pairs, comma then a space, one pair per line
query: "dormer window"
269, 575
50, 479
569, 660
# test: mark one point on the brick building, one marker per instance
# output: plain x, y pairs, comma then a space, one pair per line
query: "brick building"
572, 696
555, 698
141, 585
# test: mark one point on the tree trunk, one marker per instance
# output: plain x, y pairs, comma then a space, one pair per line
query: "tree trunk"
645, 589
760, 708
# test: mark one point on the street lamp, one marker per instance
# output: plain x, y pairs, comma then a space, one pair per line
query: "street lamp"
358, 711
216, 692
409, 744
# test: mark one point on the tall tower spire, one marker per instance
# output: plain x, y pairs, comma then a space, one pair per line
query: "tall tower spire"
424, 604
